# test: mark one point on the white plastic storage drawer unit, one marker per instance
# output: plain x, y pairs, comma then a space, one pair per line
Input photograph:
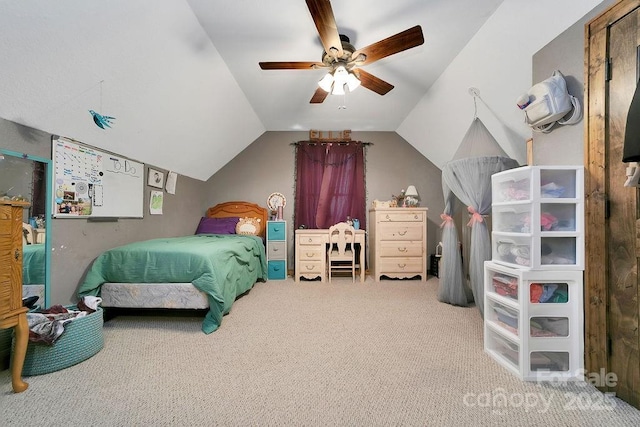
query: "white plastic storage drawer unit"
537, 217
534, 321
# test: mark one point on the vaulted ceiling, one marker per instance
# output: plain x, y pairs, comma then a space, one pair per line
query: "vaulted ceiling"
181, 77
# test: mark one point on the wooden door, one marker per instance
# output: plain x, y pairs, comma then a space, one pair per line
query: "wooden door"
612, 343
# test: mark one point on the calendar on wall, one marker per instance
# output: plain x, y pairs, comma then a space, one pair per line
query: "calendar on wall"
89, 182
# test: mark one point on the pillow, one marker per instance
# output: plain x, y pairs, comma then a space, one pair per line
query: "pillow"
217, 225
249, 226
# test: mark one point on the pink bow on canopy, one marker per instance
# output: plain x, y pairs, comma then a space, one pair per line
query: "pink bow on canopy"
446, 218
475, 216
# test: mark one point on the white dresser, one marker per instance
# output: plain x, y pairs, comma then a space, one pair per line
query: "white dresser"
397, 241
310, 256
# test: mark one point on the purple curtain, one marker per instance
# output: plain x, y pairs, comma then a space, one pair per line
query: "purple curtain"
330, 184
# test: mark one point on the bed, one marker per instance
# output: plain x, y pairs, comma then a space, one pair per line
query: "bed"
209, 269
33, 271
33, 264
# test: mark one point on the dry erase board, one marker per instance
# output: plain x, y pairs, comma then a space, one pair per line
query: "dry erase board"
89, 182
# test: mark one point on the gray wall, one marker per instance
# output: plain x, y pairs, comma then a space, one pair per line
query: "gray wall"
265, 166
77, 242
268, 165
564, 145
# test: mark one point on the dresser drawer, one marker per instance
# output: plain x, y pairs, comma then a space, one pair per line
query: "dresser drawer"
5, 226
400, 249
402, 265
310, 253
276, 230
317, 240
276, 250
310, 267
276, 270
6, 296
401, 231
401, 217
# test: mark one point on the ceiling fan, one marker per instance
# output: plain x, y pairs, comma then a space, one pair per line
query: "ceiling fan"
343, 60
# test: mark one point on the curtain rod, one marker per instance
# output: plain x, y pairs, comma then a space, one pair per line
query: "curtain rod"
330, 142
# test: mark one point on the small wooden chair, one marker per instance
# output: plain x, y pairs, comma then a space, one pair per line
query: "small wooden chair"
341, 254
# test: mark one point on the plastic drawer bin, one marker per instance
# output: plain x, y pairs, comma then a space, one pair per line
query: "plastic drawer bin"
82, 338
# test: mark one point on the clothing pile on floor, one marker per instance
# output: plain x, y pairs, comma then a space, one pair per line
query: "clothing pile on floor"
46, 326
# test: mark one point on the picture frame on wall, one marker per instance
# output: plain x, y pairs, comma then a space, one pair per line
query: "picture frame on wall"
155, 178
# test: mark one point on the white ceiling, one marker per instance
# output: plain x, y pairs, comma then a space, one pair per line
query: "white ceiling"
182, 76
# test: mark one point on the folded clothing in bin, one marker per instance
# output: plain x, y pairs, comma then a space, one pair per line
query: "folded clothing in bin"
506, 317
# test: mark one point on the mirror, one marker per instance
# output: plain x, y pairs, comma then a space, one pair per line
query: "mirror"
29, 178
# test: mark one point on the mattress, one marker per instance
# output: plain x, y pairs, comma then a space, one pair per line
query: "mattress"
153, 295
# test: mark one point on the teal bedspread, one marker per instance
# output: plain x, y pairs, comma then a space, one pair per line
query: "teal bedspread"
222, 266
33, 264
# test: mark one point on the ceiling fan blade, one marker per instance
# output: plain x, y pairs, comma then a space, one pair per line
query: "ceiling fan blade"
372, 82
288, 65
402, 41
319, 96
325, 21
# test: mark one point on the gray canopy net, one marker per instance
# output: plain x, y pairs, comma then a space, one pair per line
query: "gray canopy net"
467, 177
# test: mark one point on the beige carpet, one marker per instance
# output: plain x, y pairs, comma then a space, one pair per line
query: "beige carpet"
344, 354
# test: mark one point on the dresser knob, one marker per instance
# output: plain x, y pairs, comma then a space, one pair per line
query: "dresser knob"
310, 254
402, 249
388, 216
402, 233
402, 265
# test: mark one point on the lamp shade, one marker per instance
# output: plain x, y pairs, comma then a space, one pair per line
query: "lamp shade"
352, 82
411, 191
326, 82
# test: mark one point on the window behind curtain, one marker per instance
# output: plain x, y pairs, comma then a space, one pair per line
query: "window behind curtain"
330, 184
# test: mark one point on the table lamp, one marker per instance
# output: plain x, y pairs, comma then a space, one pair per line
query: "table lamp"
411, 197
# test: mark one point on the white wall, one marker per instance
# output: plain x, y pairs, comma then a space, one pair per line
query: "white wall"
497, 61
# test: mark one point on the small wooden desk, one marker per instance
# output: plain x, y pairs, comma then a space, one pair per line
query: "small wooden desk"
311, 253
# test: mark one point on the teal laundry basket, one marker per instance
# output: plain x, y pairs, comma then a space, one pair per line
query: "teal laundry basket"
81, 339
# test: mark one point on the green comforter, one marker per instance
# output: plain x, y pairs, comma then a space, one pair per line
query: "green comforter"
33, 264
222, 266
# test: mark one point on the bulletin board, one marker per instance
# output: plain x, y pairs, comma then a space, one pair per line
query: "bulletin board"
89, 182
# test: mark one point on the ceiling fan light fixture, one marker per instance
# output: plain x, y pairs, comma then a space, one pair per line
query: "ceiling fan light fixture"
326, 82
338, 89
352, 82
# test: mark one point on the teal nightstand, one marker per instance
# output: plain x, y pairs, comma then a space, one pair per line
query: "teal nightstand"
277, 250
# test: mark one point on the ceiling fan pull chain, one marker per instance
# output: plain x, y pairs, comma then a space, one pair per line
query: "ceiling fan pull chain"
344, 102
